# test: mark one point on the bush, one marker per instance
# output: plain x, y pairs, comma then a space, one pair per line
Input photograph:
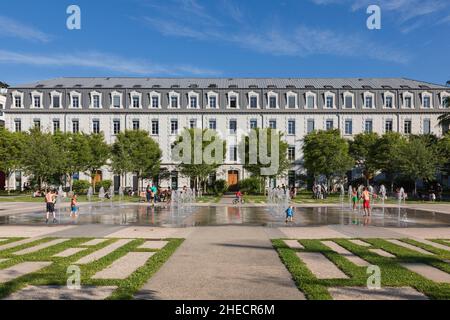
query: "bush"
80, 186
250, 185
106, 184
220, 187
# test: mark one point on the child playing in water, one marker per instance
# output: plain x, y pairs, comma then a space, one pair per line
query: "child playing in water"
290, 214
354, 198
74, 206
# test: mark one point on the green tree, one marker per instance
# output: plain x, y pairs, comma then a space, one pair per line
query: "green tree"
363, 150
443, 148
99, 153
386, 155
255, 167
206, 139
326, 153
134, 151
417, 161
11, 150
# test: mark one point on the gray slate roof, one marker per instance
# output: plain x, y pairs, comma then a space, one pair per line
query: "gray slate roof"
243, 83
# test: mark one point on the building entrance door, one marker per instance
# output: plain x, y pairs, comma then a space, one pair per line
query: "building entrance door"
233, 180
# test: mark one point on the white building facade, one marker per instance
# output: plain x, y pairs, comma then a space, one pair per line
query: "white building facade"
163, 107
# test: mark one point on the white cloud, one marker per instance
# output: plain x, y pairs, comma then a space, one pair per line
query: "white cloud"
100, 61
12, 28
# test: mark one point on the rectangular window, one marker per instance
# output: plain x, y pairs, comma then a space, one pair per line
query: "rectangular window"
174, 127
18, 101
233, 126
37, 124
233, 153
75, 102
75, 126
155, 102
369, 102
155, 127
388, 126
136, 102
96, 101
348, 127
368, 126
96, 126
212, 124
213, 102
291, 127
18, 125
193, 123
116, 101
310, 102
389, 102
174, 102
272, 124
37, 101
329, 125
56, 101
116, 126
273, 102
407, 126
408, 102
253, 124
136, 125
310, 126
348, 102
233, 102
426, 126
56, 126
426, 102
330, 102
193, 102
291, 153
254, 102
292, 102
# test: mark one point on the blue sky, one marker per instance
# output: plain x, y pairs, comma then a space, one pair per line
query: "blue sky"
225, 38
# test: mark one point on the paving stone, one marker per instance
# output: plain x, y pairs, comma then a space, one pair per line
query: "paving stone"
360, 243
62, 293
384, 293
433, 244
428, 272
94, 242
17, 243
382, 253
69, 252
347, 254
156, 245
103, 252
409, 246
122, 268
21, 269
320, 266
293, 244
40, 246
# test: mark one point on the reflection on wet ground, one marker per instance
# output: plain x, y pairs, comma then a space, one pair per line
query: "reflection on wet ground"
258, 216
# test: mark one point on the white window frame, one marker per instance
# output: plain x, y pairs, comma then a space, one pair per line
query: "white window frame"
113, 94
135, 93
348, 94
253, 94
329, 94
232, 94
15, 94
423, 127
365, 96
91, 104
287, 127
290, 94
423, 95
272, 94
73, 94
154, 94
345, 127
209, 95
310, 94
388, 94
177, 95
36, 94
443, 95
407, 94
59, 94
193, 94
385, 122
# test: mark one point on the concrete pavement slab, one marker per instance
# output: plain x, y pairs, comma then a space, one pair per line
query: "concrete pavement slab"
62, 293
385, 293
320, 266
21, 269
123, 267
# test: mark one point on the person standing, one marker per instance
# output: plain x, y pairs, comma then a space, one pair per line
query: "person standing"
74, 206
354, 198
148, 192
50, 199
366, 201
290, 214
154, 194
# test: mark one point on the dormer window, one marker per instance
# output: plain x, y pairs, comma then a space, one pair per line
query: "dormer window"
75, 100
253, 100
96, 100
311, 100
426, 100
272, 100
193, 98
329, 100
116, 100
155, 100
136, 100
369, 100
292, 100
17, 99
388, 100
213, 100
408, 100
174, 100
233, 100
36, 99
349, 100
55, 99
445, 99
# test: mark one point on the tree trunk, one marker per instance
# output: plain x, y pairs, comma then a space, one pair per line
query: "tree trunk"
415, 188
8, 176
